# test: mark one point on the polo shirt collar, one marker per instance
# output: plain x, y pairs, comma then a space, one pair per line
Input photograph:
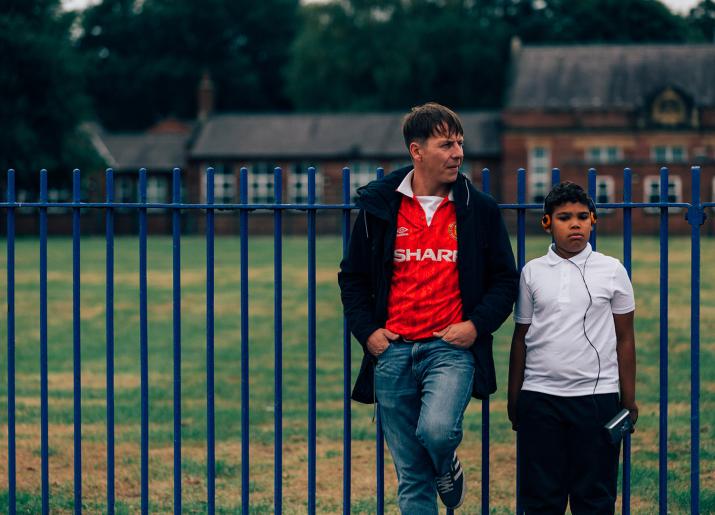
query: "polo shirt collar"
579, 259
405, 187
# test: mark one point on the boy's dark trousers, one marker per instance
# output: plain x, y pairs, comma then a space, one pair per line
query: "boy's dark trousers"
565, 454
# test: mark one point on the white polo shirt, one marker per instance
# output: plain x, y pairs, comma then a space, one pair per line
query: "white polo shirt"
553, 299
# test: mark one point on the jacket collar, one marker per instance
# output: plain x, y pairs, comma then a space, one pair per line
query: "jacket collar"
381, 198
552, 258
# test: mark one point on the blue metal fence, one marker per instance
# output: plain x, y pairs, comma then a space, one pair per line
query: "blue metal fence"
695, 216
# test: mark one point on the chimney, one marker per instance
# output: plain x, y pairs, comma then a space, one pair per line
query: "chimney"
515, 46
205, 97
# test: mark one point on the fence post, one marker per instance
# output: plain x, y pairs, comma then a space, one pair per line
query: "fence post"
76, 348
11, 451
143, 343
695, 219
245, 442
109, 335
176, 255
347, 417
210, 408
663, 420
278, 341
627, 253
520, 260
379, 438
44, 410
311, 344
485, 407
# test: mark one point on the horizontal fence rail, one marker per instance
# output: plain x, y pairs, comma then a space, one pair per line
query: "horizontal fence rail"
694, 211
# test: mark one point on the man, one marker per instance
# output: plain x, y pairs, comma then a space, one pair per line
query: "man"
428, 277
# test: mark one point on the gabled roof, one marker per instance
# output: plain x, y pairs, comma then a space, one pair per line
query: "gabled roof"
326, 136
609, 76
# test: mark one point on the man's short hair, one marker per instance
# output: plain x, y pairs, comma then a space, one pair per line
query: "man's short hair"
430, 119
565, 192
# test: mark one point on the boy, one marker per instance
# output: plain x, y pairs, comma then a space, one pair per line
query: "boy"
572, 353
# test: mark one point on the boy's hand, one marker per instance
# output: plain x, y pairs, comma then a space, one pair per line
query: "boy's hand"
462, 334
378, 341
511, 412
633, 408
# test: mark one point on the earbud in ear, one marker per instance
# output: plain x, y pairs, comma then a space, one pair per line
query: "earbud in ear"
546, 222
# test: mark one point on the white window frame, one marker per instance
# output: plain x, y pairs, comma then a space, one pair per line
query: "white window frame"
604, 154
157, 189
675, 183
610, 187
298, 184
225, 185
669, 152
126, 188
58, 195
260, 183
539, 173
361, 172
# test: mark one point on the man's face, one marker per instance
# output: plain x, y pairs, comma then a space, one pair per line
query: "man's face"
571, 228
440, 156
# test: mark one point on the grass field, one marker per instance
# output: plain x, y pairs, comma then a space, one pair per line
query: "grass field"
329, 381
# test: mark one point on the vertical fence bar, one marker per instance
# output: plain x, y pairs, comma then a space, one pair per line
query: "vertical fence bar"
311, 344
243, 220
76, 349
11, 450
176, 254
485, 406
109, 336
44, 411
210, 411
379, 438
278, 341
520, 260
347, 379
143, 343
695, 218
555, 176
663, 418
627, 263
592, 193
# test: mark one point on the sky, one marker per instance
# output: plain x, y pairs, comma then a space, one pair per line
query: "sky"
679, 6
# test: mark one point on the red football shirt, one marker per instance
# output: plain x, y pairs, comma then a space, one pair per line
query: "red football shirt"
424, 293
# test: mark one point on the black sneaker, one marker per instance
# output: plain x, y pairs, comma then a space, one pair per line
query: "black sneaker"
451, 486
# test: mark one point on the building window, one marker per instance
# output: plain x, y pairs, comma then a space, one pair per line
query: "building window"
298, 184
538, 176
604, 154
361, 172
605, 192
224, 185
669, 154
58, 195
125, 188
157, 189
260, 183
651, 192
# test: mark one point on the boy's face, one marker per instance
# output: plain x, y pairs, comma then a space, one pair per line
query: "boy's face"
571, 228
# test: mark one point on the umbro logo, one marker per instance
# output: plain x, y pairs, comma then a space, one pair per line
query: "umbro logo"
402, 231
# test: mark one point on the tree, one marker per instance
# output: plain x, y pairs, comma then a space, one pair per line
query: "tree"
146, 58
42, 90
701, 20
390, 54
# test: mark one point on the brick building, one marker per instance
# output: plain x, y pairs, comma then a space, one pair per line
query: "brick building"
608, 107
571, 107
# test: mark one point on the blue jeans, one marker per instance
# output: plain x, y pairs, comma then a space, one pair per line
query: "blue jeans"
422, 389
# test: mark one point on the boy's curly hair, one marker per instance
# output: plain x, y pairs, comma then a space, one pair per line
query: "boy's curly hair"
567, 192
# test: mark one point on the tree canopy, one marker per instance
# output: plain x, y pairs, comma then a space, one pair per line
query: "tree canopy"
41, 83
146, 58
386, 54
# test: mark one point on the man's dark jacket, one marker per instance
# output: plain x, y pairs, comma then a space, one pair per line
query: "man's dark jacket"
488, 279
